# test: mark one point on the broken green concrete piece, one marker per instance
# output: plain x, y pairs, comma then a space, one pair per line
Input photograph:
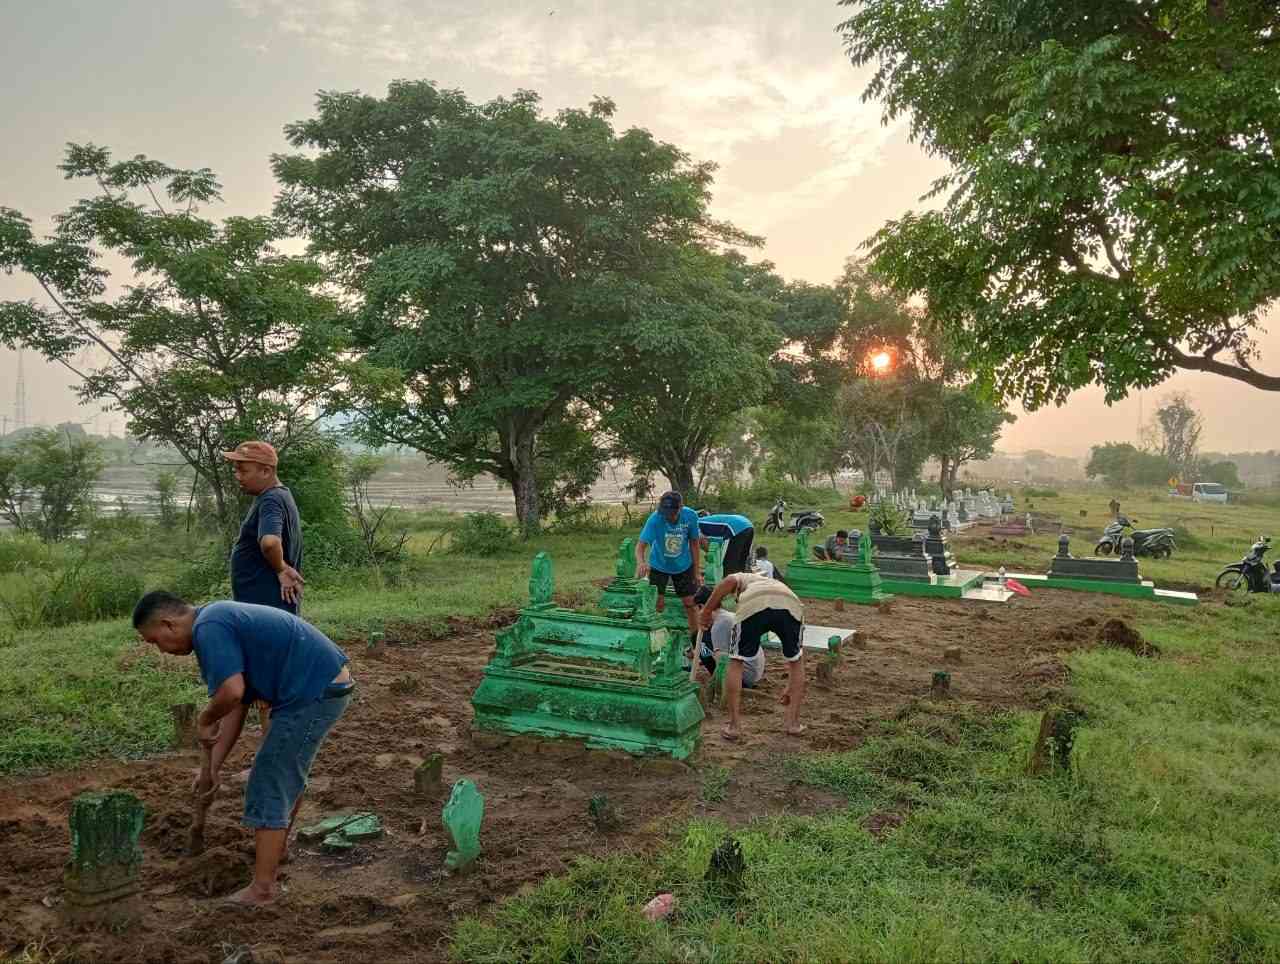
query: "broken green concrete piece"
603, 813
364, 826
462, 817
338, 843
613, 683
333, 824
102, 873
713, 563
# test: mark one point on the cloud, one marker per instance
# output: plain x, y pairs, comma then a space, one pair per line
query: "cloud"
732, 88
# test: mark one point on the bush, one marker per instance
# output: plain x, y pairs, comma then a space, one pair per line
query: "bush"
587, 519
1034, 493
1185, 539
84, 592
483, 534
206, 575
25, 553
735, 497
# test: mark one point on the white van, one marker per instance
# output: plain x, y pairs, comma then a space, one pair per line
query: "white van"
1208, 492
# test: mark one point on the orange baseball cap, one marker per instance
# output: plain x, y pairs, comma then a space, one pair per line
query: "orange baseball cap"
260, 452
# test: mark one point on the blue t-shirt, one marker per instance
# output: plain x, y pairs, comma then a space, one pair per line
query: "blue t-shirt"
669, 549
285, 660
723, 526
273, 513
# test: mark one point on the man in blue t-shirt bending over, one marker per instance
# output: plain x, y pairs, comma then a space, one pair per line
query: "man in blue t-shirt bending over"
668, 551
249, 653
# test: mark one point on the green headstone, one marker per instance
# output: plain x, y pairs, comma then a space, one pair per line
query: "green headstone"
713, 563
542, 582
462, 817
717, 683
864, 549
725, 872
625, 567
647, 602
101, 876
801, 553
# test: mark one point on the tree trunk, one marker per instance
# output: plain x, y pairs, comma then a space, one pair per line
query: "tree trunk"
944, 476
681, 478
524, 484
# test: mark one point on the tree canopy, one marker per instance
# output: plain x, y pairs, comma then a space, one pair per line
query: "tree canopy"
1114, 208
501, 257
216, 337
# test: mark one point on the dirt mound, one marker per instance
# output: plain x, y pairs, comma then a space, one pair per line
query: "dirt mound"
1116, 632
1078, 631
215, 873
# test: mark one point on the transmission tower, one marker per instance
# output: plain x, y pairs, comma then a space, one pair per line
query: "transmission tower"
20, 398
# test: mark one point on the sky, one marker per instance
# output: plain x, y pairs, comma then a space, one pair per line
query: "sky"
761, 87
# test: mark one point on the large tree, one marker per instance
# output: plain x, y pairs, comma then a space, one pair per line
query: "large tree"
1114, 212
699, 353
213, 338
500, 256
1177, 428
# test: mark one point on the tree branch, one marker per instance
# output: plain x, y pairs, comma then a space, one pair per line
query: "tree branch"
1241, 373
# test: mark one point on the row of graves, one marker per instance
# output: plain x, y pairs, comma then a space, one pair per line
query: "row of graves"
962, 511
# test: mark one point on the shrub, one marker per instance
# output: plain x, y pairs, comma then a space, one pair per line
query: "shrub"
586, 519
83, 592
1035, 493
205, 576
483, 534
21, 552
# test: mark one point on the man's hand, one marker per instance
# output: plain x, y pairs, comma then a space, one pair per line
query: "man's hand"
291, 582
203, 785
707, 617
207, 733
642, 570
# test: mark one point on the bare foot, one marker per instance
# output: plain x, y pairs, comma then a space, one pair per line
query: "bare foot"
796, 730
253, 896
730, 734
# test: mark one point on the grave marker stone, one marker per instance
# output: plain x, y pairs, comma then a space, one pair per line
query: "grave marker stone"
102, 874
462, 817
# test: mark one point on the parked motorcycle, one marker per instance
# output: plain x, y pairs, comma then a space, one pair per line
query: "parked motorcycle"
1156, 543
1250, 573
807, 519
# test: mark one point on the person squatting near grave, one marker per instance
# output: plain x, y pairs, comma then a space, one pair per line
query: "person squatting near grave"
737, 533
837, 548
764, 605
248, 653
763, 566
719, 640
667, 551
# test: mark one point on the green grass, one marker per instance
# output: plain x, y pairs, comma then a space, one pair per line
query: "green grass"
1160, 844
91, 689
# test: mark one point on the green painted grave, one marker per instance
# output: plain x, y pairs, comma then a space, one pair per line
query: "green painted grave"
858, 582
613, 681
102, 874
462, 817
1118, 577
619, 596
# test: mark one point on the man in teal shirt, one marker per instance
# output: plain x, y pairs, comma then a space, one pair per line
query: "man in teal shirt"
668, 552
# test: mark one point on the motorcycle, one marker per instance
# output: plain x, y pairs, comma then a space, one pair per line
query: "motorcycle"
1156, 543
1250, 573
807, 519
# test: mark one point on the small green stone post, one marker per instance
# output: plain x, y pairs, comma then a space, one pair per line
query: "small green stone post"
428, 778
542, 582
625, 566
717, 682
101, 877
462, 817
802, 546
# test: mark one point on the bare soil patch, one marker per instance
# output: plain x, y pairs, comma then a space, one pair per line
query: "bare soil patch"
391, 899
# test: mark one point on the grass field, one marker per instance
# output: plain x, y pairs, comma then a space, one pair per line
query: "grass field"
1159, 843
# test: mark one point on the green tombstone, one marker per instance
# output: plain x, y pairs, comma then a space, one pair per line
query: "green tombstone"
713, 562
462, 817
613, 681
854, 582
542, 582
801, 553
428, 778
717, 682
625, 566
101, 876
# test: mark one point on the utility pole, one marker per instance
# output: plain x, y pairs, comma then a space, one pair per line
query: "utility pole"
20, 398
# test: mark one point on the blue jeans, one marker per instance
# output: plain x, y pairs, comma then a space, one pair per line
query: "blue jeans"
284, 760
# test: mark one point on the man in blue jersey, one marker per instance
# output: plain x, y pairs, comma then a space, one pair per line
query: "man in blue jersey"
737, 534
668, 551
249, 653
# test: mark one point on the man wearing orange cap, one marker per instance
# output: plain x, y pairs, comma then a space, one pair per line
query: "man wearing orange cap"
267, 556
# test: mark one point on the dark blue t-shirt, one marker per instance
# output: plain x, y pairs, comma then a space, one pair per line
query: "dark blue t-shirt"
273, 513
285, 660
726, 525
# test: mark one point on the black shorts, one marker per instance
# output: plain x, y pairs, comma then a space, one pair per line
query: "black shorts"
748, 633
737, 552
682, 582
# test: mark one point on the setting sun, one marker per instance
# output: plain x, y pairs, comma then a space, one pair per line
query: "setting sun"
880, 361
